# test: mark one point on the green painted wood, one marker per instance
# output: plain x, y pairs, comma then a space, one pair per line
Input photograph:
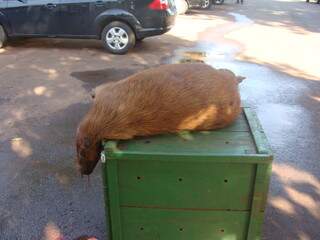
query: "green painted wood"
195, 143
155, 224
240, 125
265, 187
207, 180
256, 215
195, 158
185, 185
113, 199
257, 132
106, 195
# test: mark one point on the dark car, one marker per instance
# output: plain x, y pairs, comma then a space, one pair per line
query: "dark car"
118, 23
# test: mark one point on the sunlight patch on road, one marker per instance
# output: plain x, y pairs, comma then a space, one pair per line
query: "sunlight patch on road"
294, 52
39, 90
316, 98
189, 28
52, 232
292, 180
52, 73
293, 175
305, 200
21, 147
282, 204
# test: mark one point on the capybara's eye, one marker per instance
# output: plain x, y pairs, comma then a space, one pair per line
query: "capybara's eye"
87, 142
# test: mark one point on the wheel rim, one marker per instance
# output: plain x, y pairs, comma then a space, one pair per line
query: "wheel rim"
205, 3
117, 38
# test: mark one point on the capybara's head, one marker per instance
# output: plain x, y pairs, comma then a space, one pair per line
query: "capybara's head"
232, 75
88, 152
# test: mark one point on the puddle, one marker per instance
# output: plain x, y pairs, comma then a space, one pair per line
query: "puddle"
212, 46
242, 19
192, 56
92, 79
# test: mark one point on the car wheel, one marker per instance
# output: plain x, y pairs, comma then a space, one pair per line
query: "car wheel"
182, 6
3, 37
205, 4
118, 37
219, 2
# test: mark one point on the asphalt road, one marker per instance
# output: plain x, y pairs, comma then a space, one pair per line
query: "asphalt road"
45, 90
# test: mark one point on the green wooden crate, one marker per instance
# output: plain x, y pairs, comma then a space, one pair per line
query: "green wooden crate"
189, 186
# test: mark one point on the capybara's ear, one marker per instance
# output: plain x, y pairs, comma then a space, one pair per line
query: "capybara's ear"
240, 78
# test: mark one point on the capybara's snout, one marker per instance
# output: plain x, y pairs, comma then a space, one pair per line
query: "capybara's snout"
88, 154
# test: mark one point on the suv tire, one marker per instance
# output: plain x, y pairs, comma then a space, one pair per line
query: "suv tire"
118, 37
206, 4
3, 37
182, 6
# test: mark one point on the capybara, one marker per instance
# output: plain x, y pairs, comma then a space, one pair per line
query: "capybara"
164, 99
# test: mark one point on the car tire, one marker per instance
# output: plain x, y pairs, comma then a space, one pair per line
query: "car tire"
118, 37
206, 4
218, 2
3, 37
182, 6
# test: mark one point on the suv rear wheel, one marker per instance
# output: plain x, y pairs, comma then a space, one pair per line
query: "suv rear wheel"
3, 37
182, 6
118, 37
206, 4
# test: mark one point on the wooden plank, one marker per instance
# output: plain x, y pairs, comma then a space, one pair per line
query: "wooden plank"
105, 192
256, 215
258, 134
204, 142
265, 188
240, 125
195, 158
154, 224
113, 200
186, 185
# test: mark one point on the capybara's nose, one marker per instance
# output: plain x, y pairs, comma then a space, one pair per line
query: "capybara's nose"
88, 167
86, 170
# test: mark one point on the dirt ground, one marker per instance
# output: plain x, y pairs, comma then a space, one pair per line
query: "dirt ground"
44, 92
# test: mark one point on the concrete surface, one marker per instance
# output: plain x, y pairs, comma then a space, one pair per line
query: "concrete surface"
44, 92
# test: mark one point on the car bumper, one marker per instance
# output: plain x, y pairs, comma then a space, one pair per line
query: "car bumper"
149, 32
166, 23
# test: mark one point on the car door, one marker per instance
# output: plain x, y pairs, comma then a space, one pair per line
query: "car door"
78, 16
74, 17
33, 17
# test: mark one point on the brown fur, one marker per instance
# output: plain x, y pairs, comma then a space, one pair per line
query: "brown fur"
164, 99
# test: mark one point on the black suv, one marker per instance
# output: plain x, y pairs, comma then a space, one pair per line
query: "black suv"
118, 23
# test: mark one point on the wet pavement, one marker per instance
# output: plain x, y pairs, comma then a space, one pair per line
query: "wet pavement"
45, 90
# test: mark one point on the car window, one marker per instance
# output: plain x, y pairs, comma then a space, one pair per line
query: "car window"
3, 3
